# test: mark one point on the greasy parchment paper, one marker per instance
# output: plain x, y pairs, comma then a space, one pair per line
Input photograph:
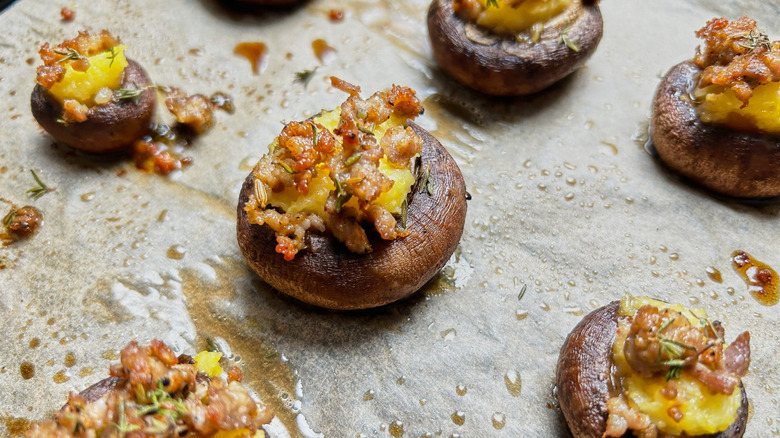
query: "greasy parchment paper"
566, 204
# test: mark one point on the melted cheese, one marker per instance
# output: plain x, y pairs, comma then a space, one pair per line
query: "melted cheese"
103, 72
704, 411
509, 18
722, 106
208, 363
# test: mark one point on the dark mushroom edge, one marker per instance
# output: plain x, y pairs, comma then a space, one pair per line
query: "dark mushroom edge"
111, 127
733, 163
584, 372
501, 65
327, 274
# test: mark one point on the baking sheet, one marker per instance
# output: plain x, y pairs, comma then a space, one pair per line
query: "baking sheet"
566, 205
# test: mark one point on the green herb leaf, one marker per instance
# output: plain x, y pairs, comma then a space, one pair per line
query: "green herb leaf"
491, 3
353, 159
9, 218
70, 54
303, 77
286, 167
673, 372
565, 39
522, 292
404, 213
366, 130
755, 41
112, 56
133, 94
427, 183
314, 134
41, 189
341, 196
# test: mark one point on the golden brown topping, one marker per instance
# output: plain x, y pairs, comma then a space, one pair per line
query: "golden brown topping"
67, 13
196, 111
737, 55
74, 112
24, 221
664, 341
74, 51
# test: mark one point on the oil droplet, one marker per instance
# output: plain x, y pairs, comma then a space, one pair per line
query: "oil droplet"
608, 148
499, 420
423, 401
70, 359
60, 377
256, 53
86, 197
86, 371
369, 395
459, 418
574, 310
513, 383
396, 429
176, 252
448, 334
460, 390
714, 274
35, 342
27, 369
521, 314
544, 306
401, 380
761, 279
730, 290
323, 51
248, 163
163, 216
16, 426
674, 256
110, 355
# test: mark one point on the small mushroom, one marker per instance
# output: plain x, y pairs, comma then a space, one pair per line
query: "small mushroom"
504, 65
734, 163
583, 377
110, 127
327, 274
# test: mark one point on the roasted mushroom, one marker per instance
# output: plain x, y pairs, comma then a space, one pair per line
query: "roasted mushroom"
154, 393
511, 48
716, 118
645, 367
370, 239
90, 97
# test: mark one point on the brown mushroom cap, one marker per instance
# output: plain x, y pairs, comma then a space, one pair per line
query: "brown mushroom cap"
327, 274
584, 373
501, 65
110, 127
734, 163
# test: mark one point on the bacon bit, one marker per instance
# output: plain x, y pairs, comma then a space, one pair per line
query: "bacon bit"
737, 55
286, 246
67, 13
352, 90
336, 15
196, 111
26, 221
235, 374
75, 112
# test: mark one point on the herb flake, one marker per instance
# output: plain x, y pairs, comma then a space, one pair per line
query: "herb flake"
303, 77
427, 182
133, 94
9, 218
566, 41
69, 54
41, 189
354, 158
491, 3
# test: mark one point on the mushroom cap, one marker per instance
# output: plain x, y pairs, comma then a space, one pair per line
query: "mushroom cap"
327, 274
109, 128
734, 163
501, 65
584, 373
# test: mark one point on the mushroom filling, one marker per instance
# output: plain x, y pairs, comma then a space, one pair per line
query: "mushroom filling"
340, 170
510, 16
739, 85
164, 396
673, 373
83, 72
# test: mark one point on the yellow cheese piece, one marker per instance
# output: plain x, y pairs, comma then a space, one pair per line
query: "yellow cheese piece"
509, 18
105, 71
208, 363
238, 433
704, 411
722, 106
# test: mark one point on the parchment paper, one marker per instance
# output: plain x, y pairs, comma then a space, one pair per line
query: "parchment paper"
566, 205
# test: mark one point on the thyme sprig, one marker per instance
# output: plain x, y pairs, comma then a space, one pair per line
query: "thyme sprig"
565, 39
9, 218
427, 182
123, 426
522, 292
354, 158
133, 94
111, 56
41, 189
158, 397
69, 54
755, 40
342, 197
303, 77
286, 167
674, 350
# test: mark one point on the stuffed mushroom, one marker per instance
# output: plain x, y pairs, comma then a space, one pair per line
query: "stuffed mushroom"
716, 118
513, 47
355, 208
642, 367
89, 96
